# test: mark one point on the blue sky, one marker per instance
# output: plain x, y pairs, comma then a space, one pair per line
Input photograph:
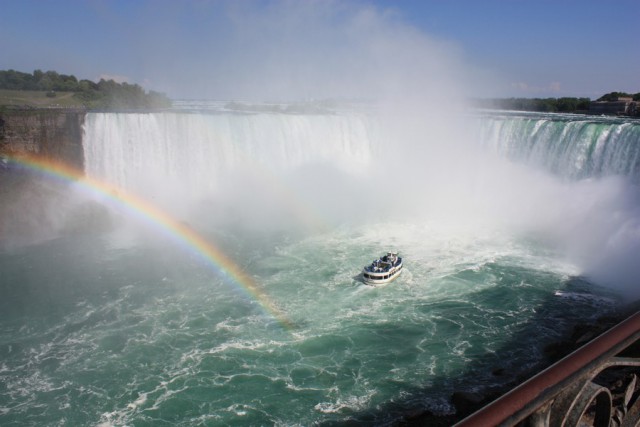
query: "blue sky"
321, 49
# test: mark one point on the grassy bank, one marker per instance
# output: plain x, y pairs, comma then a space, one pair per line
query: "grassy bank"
38, 99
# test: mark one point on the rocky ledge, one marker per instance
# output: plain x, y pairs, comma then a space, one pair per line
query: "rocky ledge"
48, 133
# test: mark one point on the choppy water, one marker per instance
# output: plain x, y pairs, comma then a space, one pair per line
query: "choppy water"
112, 324
97, 331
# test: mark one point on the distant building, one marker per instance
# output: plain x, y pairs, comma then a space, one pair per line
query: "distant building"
622, 106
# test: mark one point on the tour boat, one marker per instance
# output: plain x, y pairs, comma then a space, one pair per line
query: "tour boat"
383, 269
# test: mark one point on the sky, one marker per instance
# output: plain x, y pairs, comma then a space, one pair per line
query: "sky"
293, 50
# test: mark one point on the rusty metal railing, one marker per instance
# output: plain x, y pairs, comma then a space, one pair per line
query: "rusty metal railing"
595, 385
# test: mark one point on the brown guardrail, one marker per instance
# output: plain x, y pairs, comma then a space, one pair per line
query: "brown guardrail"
596, 384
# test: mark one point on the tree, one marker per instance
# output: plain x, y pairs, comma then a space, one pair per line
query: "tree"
567, 104
106, 94
613, 96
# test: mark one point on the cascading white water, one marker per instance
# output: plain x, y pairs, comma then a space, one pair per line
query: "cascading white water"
177, 152
272, 168
582, 191
264, 159
567, 145
177, 156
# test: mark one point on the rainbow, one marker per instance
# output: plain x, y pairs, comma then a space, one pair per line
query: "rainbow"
152, 215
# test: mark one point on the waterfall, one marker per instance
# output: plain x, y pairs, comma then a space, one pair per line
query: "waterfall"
276, 168
567, 145
255, 159
196, 154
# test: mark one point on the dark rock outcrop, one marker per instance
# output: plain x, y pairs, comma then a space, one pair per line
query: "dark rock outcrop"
50, 134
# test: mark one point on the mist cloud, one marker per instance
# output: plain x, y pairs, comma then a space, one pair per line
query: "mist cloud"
291, 51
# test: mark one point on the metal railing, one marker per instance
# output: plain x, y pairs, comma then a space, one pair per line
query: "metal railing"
595, 385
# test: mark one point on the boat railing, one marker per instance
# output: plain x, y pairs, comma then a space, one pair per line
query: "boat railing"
595, 385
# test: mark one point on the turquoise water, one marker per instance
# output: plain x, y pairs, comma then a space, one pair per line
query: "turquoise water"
104, 321
97, 329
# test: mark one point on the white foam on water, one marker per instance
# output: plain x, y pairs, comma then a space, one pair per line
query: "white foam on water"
346, 404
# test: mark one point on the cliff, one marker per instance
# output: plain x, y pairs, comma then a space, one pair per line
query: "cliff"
50, 133
33, 208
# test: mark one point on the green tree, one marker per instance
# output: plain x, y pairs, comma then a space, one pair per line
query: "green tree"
613, 96
106, 94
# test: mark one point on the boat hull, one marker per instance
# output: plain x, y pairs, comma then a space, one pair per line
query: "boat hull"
377, 278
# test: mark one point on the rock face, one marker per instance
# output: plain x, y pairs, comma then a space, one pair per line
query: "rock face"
34, 208
52, 134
